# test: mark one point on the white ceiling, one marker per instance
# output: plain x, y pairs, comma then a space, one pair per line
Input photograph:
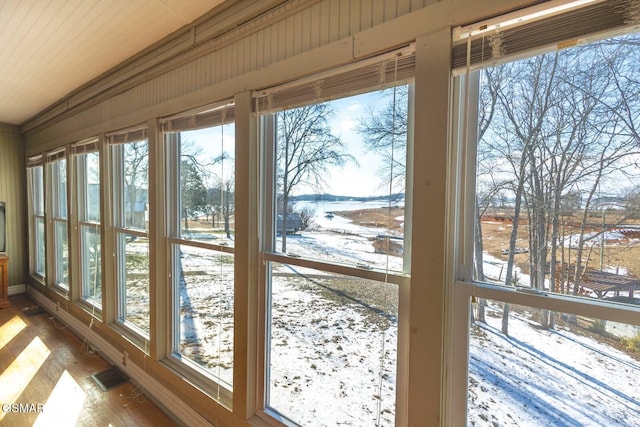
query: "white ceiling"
48, 48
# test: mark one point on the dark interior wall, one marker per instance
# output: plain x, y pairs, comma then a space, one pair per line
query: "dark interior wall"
13, 193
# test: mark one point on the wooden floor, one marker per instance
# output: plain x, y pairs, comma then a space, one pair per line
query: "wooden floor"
43, 368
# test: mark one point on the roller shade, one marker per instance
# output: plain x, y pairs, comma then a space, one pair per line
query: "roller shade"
213, 115
553, 32
376, 73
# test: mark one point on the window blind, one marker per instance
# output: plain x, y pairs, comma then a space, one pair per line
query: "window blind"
85, 146
55, 155
212, 115
383, 71
127, 135
564, 29
34, 161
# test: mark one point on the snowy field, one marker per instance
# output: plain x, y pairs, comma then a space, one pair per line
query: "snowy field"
548, 378
333, 338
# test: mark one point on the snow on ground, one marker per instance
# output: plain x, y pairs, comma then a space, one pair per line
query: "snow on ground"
332, 352
548, 378
326, 355
611, 238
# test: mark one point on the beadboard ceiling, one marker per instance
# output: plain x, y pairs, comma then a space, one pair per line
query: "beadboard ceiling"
48, 48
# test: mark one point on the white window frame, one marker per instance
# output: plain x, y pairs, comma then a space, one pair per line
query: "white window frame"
215, 387
82, 222
36, 209
268, 254
120, 231
57, 213
463, 290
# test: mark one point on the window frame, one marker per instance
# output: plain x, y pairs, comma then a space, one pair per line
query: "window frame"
57, 215
464, 289
120, 231
83, 222
36, 210
208, 117
268, 254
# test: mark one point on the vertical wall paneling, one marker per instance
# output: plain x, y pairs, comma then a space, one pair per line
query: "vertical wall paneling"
403, 7
344, 18
377, 12
12, 192
291, 28
390, 9
296, 33
315, 26
334, 20
305, 30
366, 14
325, 22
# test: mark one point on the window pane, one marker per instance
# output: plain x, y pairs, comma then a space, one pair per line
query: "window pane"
136, 184
134, 280
36, 206
91, 189
39, 246
332, 348
61, 254
37, 190
59, 188
206, 184
340, 179
88, 184
557, 176
582, 372
205, 309
91, 267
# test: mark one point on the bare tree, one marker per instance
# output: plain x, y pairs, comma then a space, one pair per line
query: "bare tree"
562, 125
385, 132
305, 151
136, 181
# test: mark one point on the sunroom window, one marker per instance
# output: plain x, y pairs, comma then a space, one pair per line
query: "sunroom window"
87, 164
35, 178
335, 242
129, 163
200, 156
551, 212
57, 171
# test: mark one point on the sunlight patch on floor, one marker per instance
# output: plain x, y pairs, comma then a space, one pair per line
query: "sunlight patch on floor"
10, 330
64, 404
19, 374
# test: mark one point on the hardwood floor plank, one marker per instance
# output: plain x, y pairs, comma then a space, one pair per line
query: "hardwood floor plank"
42, 363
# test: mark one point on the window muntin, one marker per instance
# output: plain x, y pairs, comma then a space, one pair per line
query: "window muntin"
89, 227
58, 173
345, 266
130, 186
201, 220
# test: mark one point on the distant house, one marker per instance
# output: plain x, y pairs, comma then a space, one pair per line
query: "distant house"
294, 224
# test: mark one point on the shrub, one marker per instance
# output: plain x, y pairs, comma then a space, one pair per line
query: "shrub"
633, 343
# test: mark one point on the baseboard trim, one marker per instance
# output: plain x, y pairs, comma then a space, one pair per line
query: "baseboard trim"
170, 403
17, 289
